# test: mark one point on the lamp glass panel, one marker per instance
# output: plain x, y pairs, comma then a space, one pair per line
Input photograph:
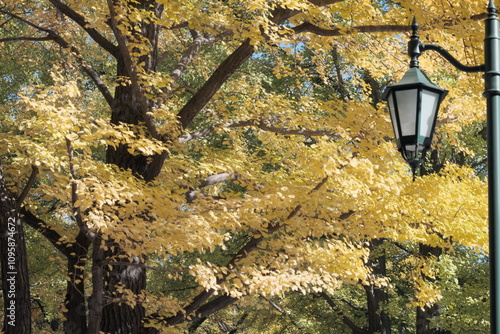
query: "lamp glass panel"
392, 110
411, 148
407, 108
428, 112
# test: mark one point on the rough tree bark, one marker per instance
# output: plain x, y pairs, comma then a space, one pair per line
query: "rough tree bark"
75, 303
378, 320
424, 315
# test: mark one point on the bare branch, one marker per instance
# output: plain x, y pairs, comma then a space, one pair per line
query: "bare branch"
7, 21
309, 27
210, 180
17, 17
29, 184
82, 22
193, 49
33, 39
395, 28
261, 124
345, 319
283, 312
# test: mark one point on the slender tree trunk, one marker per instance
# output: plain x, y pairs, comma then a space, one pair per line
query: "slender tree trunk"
13, 257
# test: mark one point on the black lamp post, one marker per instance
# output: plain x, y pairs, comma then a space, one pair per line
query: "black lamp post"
413, 104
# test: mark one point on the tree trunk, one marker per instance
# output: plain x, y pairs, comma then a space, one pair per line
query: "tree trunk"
14, 263
378, 321
424, 315
76, 316
129, 108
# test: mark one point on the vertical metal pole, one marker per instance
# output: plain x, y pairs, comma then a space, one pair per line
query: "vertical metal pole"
492, 94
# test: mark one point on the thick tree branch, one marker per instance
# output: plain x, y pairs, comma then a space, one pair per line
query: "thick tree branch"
82, 22
215, 305
261, 124
212, 85
97, 298
309, 27
29, 184
223, 72
191, 52
51, 235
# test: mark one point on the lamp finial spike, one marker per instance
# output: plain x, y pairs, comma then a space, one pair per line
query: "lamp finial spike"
491, 7
414, 26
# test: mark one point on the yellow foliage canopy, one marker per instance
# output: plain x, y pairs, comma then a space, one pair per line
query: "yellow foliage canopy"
310, 177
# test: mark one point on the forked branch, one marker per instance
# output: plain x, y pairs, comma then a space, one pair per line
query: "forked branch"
82, 22
53, 36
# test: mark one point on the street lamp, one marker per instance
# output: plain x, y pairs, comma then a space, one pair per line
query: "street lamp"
413, 105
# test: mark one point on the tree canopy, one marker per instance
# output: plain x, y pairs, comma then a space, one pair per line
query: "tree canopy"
167, 165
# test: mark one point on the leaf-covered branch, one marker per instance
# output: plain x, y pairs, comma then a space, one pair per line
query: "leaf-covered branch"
323, 3
250, 246
53, 36
260, 124
75, 196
